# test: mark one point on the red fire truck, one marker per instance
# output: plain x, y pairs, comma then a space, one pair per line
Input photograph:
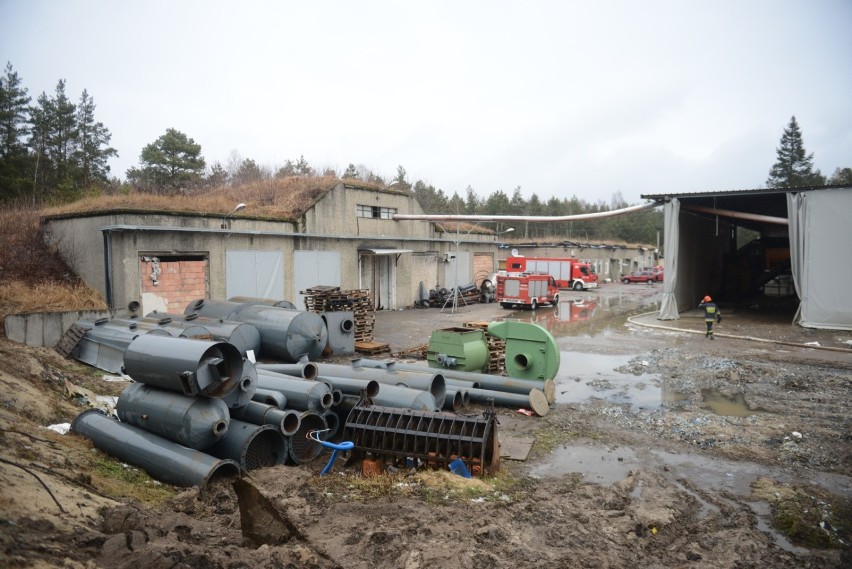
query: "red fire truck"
567, 272
526, 289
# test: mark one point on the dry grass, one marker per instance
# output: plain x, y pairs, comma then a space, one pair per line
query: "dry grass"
17, 297
280, 198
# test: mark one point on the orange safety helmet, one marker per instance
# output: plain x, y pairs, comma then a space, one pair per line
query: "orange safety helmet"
707, 299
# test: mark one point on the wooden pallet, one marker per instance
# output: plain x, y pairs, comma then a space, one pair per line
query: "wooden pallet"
69, 340
372, 348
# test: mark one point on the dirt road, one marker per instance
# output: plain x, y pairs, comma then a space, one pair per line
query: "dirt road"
664, 449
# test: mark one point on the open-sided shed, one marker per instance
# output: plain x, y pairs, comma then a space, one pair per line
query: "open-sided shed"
802, 238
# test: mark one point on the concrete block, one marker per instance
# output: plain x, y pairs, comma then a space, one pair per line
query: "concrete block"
35, 330
53, 329
16, 327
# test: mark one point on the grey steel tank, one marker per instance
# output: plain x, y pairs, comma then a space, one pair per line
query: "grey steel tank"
252, 446
192, 367
244, 336
194, 422
264, 301
285, 334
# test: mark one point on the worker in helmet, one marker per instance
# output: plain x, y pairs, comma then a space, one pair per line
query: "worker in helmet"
711, 314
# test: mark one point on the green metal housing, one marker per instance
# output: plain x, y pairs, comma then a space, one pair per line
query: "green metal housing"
531, 351
462, 349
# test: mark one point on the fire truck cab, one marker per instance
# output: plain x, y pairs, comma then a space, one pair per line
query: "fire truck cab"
527, 289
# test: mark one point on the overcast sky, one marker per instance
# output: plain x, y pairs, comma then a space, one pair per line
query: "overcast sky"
560, 98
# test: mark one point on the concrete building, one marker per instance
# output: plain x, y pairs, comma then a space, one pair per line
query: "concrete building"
345, 237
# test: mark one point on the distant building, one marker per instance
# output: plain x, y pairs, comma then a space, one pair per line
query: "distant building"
345, 237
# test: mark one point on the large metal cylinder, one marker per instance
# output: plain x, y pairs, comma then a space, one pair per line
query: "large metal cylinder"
303, 448
435, 438
214, 309
301, 394
405, 397
424, 379
163, 459
194, 422
252, 446
263, 301
287, 334
192, 367
103, 346
286, 420
244, 336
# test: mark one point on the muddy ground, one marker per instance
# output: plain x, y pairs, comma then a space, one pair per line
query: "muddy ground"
664, 449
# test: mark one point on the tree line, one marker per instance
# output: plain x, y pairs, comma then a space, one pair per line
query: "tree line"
55, 151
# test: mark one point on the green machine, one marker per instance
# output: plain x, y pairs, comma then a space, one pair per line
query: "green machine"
531, 351
463, 349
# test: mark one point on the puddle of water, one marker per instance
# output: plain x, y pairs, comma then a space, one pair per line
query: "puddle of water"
733, 406
582, 377
597, 464
584, 314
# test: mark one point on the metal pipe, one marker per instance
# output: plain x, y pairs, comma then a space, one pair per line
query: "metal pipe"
336, 396
164, 460
303, 448
252, 446
270, 397
518, 218
301, 394
305, 370
453, 382
486, 381
535, 400
738, 214
405, 397
350, 386
192, 367
333, 422
194, 422
287, 420
424, 378
455, 400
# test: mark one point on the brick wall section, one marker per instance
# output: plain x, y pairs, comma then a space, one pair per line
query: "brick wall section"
178, 284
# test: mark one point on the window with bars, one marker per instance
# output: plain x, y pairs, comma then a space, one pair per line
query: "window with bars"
376, 212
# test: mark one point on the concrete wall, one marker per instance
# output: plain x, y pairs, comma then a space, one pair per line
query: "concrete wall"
44, 329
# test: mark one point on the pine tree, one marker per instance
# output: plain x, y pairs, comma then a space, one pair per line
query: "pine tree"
93, 148
351, 172
170, 163
794, 167
16, 165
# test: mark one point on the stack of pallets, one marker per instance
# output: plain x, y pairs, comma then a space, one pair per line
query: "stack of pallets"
358, 301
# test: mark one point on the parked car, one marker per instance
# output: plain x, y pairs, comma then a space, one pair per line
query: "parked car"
658, 272
643, 276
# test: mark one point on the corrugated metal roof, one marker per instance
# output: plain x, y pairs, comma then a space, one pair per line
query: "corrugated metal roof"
743, 192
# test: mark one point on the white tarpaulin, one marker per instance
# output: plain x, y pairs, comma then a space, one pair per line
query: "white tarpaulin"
668, 308
820, 235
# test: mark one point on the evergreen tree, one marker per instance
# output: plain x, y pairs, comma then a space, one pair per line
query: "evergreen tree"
841, 176
15, 163
218, 176
248, 172
794, 167
351, 172
93, 148
170, 163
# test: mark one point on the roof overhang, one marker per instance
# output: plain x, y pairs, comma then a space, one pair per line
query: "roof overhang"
384, 251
